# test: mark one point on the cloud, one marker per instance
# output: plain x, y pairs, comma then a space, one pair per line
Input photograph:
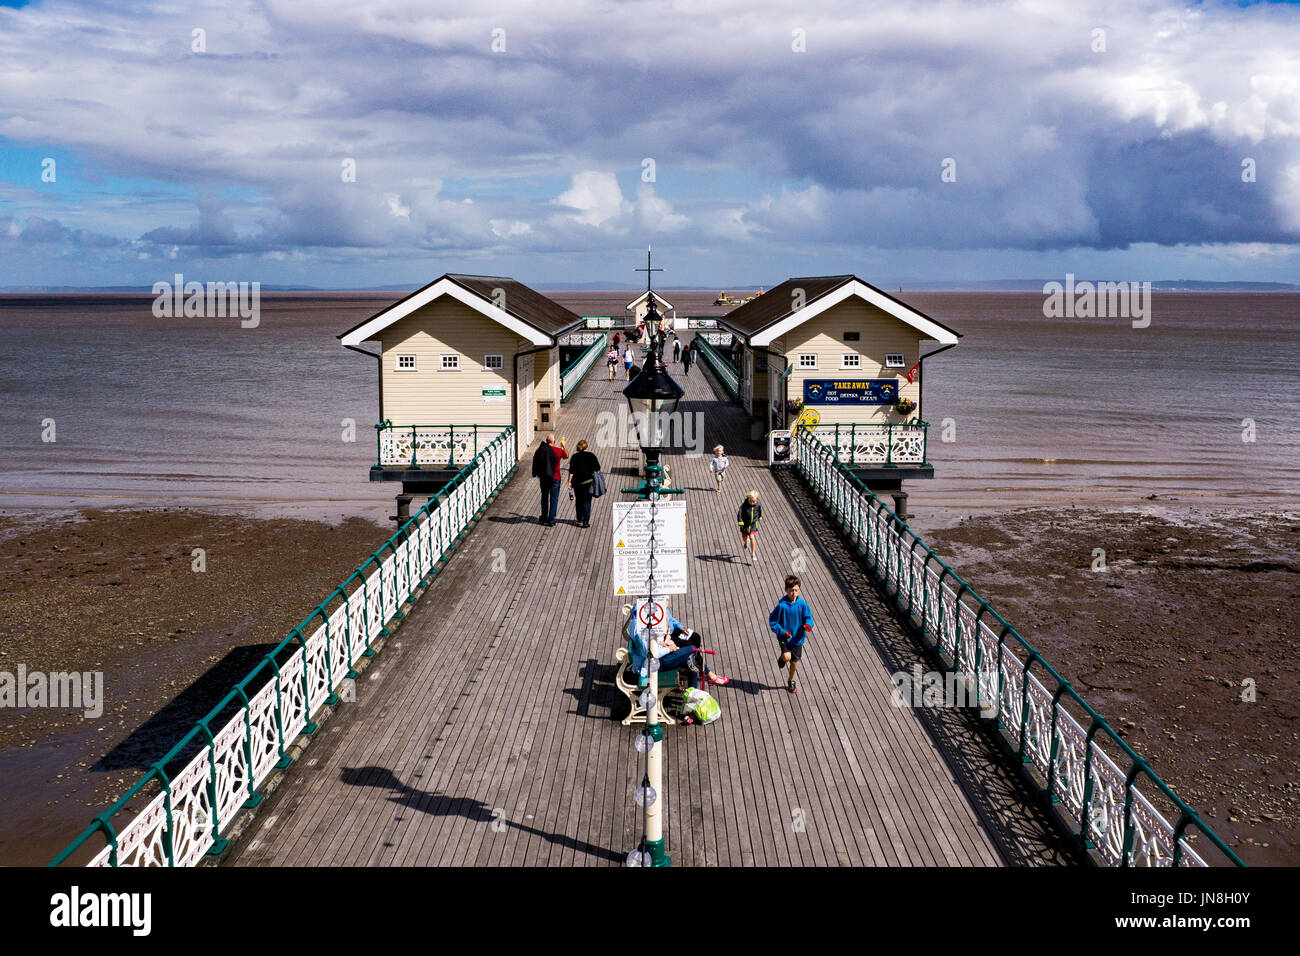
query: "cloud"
1056, 145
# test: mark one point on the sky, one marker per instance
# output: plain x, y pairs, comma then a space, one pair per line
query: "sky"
361, 143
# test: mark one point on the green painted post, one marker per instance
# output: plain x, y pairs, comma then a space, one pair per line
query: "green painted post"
414, 462
1051, 757
1085, 818
218, 845
1024, 706
254, 798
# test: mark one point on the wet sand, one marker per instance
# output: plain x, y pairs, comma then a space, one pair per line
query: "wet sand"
1191, 604
114, 591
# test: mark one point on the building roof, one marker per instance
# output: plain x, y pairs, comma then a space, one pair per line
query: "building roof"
658, 298
772, 314
524, 311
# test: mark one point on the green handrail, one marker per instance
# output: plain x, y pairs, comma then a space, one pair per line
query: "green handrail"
573, 376
814, 459
721, 366
102, 823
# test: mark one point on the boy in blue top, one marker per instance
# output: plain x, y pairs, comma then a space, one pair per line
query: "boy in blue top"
791, 621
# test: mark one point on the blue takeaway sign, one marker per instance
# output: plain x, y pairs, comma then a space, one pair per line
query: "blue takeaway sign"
853, 391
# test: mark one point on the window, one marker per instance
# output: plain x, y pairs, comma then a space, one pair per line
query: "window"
451, 363
851, 360
895, 360
494, 361
406, 363
760, 361
808, 361
850, 336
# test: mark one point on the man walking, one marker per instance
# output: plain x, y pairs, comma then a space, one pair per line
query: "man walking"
546, 469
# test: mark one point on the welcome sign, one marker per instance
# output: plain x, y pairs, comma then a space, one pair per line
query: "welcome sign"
854, 391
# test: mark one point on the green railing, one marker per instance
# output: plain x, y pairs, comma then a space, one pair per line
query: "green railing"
722, 367
267, 710
1108, 814
445, 446
572, 377
875, 443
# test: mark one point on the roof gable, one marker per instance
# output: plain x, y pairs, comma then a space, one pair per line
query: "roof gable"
772, 314
641, 298
526, 312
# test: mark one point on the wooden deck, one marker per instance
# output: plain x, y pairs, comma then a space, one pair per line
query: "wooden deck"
486, 733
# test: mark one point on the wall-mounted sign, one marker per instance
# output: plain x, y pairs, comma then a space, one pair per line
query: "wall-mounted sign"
494, 394
850, 391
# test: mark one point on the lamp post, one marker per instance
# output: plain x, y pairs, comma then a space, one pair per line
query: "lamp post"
652, 398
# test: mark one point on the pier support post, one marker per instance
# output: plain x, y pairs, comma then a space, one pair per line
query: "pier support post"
900, 504
403, 509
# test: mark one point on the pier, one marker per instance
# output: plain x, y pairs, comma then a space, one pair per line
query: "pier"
487, 730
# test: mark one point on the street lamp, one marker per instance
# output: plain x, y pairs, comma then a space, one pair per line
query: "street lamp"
652, 399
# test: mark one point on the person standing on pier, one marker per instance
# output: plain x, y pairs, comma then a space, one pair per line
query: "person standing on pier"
791, 621
611, 360
677, 349
546, 469
748, 517
628, 360
582, 474
718, 465
688, 357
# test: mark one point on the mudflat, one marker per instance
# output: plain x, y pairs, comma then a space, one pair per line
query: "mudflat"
119, 592
1180, 626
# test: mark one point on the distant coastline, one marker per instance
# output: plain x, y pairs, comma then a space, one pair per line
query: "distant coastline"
989, 285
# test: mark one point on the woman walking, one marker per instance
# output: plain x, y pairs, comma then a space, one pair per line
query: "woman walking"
611, 360
582, 472
750, 514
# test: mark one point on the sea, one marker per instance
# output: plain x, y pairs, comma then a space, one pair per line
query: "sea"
104, 404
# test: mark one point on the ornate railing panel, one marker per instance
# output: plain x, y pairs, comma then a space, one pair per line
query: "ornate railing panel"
874, 443
444, 446
1010, 682
184, 820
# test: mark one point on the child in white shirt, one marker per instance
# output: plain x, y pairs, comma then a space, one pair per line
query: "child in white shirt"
718, 465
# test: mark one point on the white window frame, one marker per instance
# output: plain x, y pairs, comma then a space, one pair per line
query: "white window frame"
895, 360
444, 367
399, 367
844, 360
806, 355
499, 366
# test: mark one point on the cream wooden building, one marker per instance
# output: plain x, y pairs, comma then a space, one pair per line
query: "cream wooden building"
844, 348
460, 360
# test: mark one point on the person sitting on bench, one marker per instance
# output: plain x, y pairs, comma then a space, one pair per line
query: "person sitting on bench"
681, 648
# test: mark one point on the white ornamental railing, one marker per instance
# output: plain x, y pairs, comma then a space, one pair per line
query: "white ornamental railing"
872, 443
441, 446
266, 711
1111, 815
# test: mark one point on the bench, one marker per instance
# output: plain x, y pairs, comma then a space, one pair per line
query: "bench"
632, 684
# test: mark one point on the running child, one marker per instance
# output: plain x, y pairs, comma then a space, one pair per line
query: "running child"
718, 465
748, 517
791, 621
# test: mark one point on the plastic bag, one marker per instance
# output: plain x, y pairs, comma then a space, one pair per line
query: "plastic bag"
702, 706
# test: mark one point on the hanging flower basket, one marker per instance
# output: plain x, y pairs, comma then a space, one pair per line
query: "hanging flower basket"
905, 406
794, 406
